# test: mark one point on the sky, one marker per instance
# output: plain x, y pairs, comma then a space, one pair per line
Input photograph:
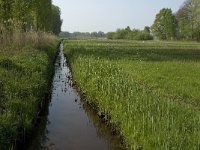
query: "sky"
109, 15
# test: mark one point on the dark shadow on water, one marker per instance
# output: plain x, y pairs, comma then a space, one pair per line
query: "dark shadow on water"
39, 132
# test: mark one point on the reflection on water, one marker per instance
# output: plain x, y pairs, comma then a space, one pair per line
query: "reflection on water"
66, 124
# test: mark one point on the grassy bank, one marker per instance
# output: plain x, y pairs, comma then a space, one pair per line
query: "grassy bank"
150, 89
26, 68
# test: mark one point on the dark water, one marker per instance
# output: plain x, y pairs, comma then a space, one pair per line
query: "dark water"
68, 123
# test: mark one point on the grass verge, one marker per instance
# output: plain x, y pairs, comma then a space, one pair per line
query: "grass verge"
26, 68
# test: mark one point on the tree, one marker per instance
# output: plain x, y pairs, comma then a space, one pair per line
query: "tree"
111, 35
121, 34
165, 25
26, 15
101, 34
42, 14
147, 29
185, 19
144, 34
56, 20
196, 18
6, 13
21, 15
94, 34
129, 34
188, 17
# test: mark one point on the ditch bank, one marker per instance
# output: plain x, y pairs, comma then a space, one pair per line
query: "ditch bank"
25, 136
68, 122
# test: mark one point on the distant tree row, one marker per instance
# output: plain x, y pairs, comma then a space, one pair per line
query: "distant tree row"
29, 15
83, 35
188, 17
183, 25
129, 34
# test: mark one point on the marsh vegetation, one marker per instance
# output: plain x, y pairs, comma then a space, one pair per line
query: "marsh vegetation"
149, 89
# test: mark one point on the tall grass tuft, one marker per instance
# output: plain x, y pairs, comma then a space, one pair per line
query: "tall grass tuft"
21, 39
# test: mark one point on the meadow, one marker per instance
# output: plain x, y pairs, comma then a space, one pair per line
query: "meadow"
149, 89
26, 69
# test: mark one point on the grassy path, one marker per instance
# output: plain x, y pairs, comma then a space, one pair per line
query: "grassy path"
151, 89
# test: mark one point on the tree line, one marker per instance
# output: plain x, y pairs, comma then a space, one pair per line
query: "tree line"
129, 34
182, 25
29, 15
82, 35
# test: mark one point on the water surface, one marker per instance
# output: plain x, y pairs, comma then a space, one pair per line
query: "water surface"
68, 123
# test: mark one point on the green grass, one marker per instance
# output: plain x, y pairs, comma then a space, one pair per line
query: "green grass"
150, 89
25, 76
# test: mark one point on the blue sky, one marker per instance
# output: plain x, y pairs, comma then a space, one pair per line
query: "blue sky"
108, 15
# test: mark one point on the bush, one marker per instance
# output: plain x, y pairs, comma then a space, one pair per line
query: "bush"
129, 34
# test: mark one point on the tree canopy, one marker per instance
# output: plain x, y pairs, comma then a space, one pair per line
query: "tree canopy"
129, 34
182, 25
188, 17
82, 35
29, 15
56, 20
165, 25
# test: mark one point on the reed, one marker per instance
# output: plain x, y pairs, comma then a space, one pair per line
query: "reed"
21, 39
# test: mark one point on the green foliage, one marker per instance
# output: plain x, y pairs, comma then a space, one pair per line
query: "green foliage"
150, 89
42, 14
134, 34
28, 15
111, 35
25, 77
165, 25
183, 25
82, 35
188, 17
56, 20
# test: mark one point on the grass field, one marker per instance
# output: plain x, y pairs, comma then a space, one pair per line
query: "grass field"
150, 89
25, 76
